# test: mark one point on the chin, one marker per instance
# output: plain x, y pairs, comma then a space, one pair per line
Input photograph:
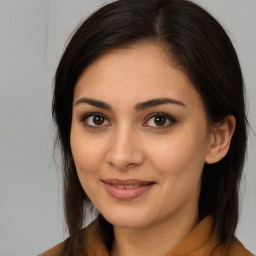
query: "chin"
126, 220
126, 223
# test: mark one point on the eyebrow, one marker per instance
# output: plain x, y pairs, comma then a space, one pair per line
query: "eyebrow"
156, 102
95, 103
138, 107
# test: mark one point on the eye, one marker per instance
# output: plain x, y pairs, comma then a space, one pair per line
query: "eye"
160, 120
95, 120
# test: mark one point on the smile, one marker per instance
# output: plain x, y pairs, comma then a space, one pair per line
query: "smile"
123, 186
127, 189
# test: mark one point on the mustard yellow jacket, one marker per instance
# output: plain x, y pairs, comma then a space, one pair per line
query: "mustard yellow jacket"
202, 241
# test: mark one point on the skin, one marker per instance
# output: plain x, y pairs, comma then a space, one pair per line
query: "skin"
130, 144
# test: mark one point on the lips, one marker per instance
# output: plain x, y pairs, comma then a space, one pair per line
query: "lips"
127, 189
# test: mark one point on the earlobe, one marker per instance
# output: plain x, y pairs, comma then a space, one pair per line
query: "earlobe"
220, 141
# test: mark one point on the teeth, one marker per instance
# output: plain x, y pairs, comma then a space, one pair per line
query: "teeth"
119, 186
129, 186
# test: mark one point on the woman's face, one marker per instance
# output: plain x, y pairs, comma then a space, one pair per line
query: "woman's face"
139, 138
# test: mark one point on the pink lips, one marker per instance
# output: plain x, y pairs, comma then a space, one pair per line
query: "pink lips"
127, 189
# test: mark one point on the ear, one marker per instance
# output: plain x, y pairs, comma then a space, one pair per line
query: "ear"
220, 139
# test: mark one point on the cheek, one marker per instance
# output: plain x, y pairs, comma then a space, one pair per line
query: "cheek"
88, 151
179, 160
179, 167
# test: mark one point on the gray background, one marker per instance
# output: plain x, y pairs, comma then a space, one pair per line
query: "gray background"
32, 38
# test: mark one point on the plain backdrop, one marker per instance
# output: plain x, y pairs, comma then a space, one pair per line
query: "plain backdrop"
32, 38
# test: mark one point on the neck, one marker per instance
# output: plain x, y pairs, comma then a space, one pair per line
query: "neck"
154, 240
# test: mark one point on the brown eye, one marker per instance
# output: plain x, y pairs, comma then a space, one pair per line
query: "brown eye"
160, 120
98, 120
95, 120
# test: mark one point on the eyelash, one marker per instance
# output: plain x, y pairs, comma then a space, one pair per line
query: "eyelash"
84, 119
169, 118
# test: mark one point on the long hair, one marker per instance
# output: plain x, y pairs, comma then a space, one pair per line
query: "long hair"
198, 44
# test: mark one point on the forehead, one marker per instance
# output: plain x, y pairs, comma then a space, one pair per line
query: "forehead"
135, 74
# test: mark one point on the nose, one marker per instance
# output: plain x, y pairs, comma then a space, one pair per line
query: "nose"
125, 150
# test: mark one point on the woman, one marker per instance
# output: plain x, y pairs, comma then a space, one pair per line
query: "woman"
150, 113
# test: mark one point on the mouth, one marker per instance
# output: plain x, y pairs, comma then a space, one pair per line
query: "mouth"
127, 189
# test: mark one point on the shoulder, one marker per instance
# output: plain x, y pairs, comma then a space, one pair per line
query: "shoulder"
236, 248
57, 250
92, 237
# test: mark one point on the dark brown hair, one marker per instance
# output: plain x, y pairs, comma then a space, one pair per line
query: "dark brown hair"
200, 46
